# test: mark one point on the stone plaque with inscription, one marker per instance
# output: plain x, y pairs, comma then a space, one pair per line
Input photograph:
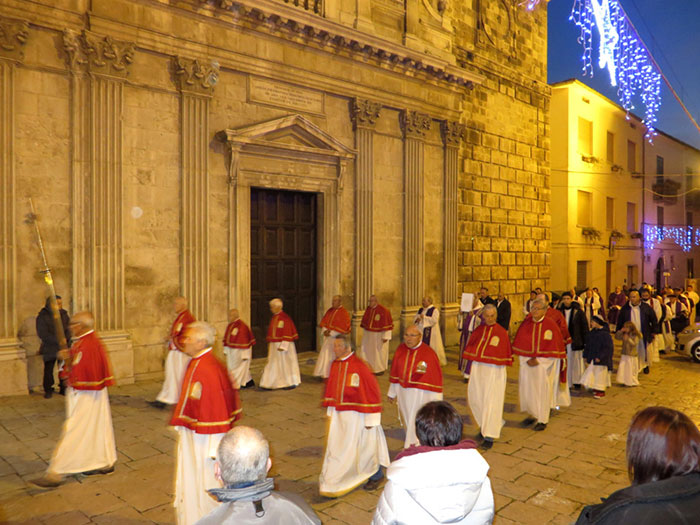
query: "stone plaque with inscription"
280, 94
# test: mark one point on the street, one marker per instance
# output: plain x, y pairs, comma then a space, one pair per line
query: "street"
537, 477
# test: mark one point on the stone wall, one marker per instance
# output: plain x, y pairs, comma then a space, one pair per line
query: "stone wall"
139, 128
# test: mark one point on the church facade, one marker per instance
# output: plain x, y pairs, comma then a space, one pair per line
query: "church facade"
232, 151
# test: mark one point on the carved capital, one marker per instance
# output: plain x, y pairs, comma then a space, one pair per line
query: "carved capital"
452, 133
94, 53
13, 35
364, 113
414, 124
194, 76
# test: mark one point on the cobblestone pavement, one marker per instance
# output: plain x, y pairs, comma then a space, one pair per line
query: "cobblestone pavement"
538, 477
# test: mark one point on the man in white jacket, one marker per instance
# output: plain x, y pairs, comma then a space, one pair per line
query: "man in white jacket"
441, 481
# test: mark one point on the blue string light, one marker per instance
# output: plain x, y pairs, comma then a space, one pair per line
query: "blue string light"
622, 53
684, 236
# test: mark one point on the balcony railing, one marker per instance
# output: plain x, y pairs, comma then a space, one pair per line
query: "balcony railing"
315, 6
666, 190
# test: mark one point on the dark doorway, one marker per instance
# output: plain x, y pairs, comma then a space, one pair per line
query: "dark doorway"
283, 262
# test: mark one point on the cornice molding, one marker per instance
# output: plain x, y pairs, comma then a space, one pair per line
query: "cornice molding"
295, 24
13, 36
93, 53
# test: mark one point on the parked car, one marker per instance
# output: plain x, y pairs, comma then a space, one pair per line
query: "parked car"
688, 343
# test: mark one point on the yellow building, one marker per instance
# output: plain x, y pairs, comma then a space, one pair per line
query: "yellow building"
612, 191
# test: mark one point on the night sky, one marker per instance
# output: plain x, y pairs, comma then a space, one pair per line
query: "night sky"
669, 28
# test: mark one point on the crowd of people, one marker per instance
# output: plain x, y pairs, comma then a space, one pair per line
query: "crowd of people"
562, 344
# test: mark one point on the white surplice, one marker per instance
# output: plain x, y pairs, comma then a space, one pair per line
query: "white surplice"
282, 367
375, 350
575, 365
410, 401
433, 322
238, 363
326, 356
486, 394
596, 377
87, 438
196, 455
353, 452
536, 386
175, 367
562, 396
628, 370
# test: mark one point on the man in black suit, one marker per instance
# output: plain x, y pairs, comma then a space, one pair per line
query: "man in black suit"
644, 318
503, 308
485, 298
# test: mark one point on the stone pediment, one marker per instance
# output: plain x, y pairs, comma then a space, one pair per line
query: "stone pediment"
294, 133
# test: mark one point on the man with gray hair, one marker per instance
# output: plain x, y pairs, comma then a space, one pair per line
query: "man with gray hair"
248, 495
207, 408
282, 368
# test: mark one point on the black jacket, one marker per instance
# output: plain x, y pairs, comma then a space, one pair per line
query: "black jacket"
47, 333
599, 345
672, 501
578, 325
647, 318
503, 313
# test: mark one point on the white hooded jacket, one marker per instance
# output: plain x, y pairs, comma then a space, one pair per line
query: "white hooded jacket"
441, 486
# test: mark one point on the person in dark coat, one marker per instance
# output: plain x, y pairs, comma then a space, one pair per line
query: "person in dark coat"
599, 356
663, 460
638, 312
503, 309
577, 324
46, 331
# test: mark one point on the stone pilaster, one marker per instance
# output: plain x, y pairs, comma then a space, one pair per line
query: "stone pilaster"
196, 83
452, 134
99, 66
414, 126
364, 114
13, 358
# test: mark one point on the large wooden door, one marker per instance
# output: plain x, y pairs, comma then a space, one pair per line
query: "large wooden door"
283, 262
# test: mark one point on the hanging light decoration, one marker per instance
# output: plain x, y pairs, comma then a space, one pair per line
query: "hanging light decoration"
684, 236
632, 69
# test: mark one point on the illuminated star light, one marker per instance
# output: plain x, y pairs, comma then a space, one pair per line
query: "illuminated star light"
608, 38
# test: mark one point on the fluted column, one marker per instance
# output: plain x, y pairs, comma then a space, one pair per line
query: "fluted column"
13, 364
196, 84
414, 125
452, 133
99, 66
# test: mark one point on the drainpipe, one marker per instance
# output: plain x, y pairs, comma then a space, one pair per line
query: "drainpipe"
644, 183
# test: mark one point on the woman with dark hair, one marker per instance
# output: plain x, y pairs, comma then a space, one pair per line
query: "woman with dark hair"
663, 460
443, 480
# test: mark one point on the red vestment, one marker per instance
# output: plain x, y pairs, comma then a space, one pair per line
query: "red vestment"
238, 335
177, 331
539, 339
89, 364
489, 344
558, 317
352, 386
337, 319
416, 368
208, 402
281, 328
377, 319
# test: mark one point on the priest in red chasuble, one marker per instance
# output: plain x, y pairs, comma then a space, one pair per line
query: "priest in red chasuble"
335, 322
416, 379
238, 348
356, 448
540, 347
176, 361
490, 352
282, 368
87, 441
377, 326
206, 410
561, 397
